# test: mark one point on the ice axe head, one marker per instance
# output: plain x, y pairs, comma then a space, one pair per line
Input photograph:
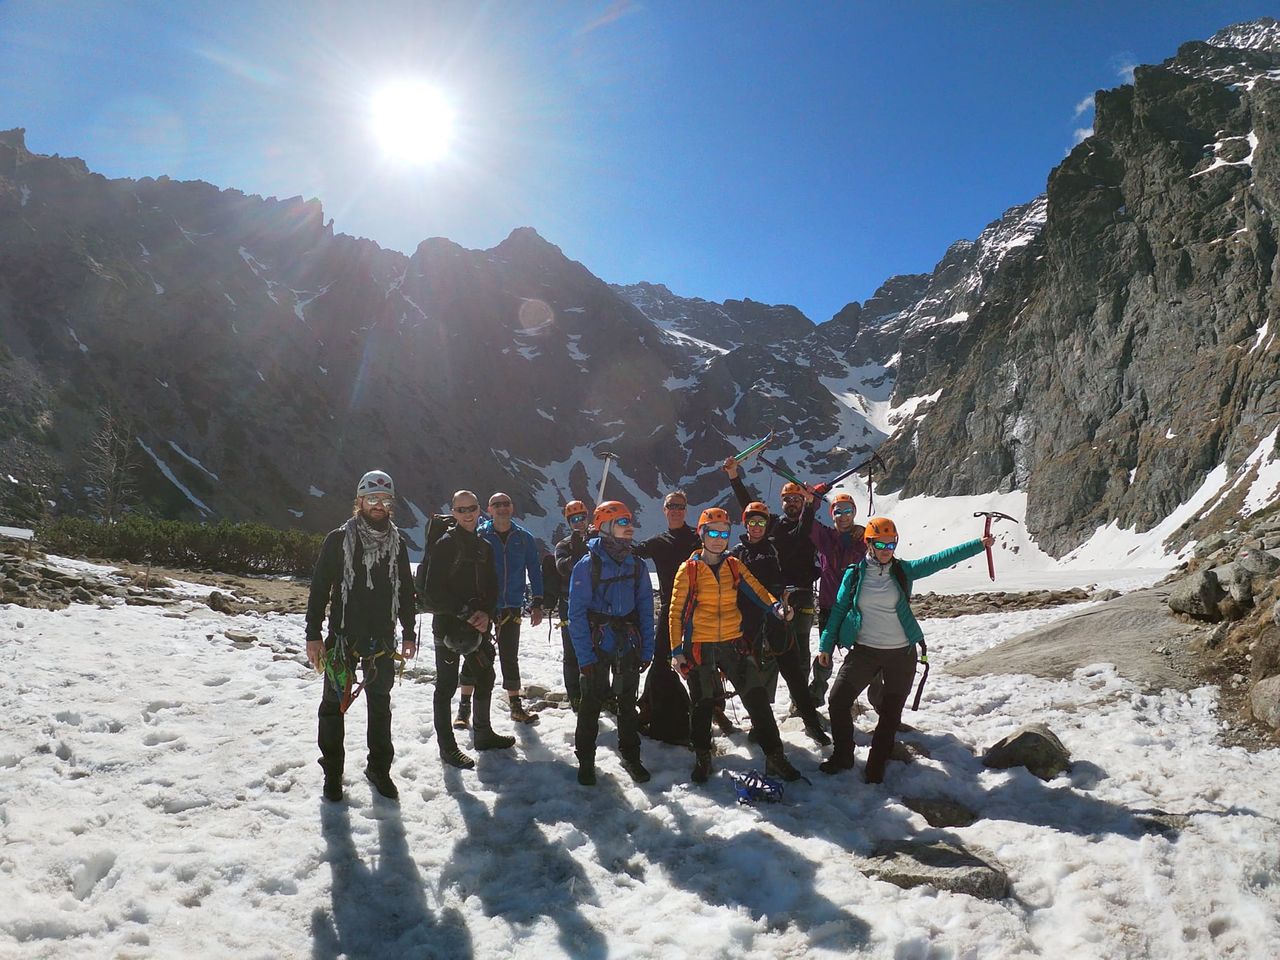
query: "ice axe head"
993, 515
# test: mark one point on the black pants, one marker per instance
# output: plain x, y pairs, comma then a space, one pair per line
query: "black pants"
507, 627
822, 675
479, 665
748, 680
378, 674
617, 676
861, 665
790, 666
572, 680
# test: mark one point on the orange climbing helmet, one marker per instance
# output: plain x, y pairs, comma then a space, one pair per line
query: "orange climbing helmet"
573, 508
881, 528
791, 488
609, 510
713, 515
843, 498
755, 507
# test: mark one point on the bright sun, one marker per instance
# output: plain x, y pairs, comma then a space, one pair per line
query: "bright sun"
412, 121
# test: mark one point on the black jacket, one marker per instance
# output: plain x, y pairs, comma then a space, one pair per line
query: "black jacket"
761, 558
668, 550
369, 617
568, 552
796, 552
461, 580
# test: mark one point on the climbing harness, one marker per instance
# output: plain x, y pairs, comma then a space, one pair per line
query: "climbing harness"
754, 786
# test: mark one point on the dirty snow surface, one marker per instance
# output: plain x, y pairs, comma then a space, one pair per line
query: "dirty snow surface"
159, 797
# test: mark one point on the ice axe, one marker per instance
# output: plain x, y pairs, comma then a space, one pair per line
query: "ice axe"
608, 459
992, 515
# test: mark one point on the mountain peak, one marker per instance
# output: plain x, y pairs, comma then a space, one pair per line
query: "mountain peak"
17, 137
1261, 34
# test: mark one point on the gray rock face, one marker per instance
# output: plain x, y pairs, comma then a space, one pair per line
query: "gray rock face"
940, 865
1033, 746
1264, 701
1197, 596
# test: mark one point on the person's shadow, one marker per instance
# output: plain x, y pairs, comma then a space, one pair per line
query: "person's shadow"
379, 910
517, 873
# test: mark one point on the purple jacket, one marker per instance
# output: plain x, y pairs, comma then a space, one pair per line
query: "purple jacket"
836, 551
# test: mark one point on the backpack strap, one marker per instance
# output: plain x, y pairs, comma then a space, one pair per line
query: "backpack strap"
900, 574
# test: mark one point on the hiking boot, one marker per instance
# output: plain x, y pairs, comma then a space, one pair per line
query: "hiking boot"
832, 765
587, 773
635, 769
463, 719
817, 734
776, 764
454, 757
702, 767
333, 788
383, 783
873, 775
488, 740
519, 714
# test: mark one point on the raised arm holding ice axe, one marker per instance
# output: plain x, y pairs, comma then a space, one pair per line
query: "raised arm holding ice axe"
987, 539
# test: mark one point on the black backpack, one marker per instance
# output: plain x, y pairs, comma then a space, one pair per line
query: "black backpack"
552, 587
437, 526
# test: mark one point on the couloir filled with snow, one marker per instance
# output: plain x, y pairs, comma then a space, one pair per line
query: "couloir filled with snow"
159, 797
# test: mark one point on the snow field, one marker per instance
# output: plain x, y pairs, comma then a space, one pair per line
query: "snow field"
159, 798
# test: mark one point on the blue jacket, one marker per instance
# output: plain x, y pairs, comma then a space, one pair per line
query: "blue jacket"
846, 619
622, 590
514, 560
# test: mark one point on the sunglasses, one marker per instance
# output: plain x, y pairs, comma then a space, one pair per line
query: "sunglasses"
499, 504
716, 534
885, 544
378, 500
792, 498
757, 522
471, 509
848, 512
577, 518
623, 522
675, 506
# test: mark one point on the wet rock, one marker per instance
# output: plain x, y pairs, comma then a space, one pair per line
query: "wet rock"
1165, 824
220, 602
941, 865
1264, 701
82, 595
940, 812
535, 690
1033, 746
1105, 595
240, 636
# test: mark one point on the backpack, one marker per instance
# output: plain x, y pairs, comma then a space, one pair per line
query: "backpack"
552, 586
437, 526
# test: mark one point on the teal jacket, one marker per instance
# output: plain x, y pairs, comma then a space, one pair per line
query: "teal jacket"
846, 619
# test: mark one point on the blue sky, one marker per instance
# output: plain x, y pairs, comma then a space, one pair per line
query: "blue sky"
787, 152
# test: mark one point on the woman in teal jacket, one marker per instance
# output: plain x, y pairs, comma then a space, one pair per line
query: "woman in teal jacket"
872, 617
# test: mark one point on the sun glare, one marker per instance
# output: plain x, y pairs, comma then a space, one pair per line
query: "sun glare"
412, 121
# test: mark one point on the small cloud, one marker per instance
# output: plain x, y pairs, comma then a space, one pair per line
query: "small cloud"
1080, 134
1124, 65
615, 11
1085, 105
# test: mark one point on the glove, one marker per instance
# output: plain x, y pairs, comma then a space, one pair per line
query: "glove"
821, 488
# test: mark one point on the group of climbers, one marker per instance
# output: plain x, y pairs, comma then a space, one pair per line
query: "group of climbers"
740, 613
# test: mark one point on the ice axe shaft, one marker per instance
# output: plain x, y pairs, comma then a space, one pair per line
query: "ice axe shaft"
608, 459
991, 516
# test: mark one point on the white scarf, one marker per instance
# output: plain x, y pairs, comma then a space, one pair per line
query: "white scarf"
376, 546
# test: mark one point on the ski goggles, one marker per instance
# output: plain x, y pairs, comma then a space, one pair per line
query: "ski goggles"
623, 522
757, 522
885, 544
471, 509
793, 498
578, 518
846, 512
379, 500
674, 507
716, 534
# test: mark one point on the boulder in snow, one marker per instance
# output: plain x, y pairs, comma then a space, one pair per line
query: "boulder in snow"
1033, 746
1197, 596
941, 865
1264, 701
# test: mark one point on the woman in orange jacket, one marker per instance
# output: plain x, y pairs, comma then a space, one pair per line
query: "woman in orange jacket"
705, 618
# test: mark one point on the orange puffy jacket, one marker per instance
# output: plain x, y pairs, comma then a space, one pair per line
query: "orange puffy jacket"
711, 614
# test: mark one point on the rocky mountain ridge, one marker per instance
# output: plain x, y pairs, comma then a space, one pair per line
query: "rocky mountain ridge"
1105, 347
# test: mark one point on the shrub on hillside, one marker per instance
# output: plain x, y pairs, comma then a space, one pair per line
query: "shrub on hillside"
228, 547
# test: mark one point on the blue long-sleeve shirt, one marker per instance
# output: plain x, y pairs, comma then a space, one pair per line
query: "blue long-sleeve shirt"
514, 560
621, 591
